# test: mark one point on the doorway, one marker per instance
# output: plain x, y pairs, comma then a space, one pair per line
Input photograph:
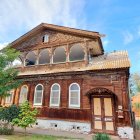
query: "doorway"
103, 115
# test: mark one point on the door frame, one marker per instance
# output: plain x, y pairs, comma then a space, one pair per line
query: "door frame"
102, 96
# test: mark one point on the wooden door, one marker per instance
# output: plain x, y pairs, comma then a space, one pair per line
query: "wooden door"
103, 115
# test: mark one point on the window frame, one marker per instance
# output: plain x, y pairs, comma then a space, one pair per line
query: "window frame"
11, 92
45, 38
20, 92
40, 56
38, 104
69, 55
51, 104
79, 94
25, 63
54, 53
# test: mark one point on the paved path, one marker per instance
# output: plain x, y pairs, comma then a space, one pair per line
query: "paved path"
60, 133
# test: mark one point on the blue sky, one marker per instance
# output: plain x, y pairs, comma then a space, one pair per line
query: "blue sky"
118, 19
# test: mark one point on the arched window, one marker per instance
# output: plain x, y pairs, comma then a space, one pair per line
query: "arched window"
23, 94
74, 95
38, 95
76, 53
30, 59
59, 55
9, 98
55, 95
44, 57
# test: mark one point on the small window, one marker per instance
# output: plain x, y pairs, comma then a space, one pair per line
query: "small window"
46, 38
38, 95
74, 95
55, 95
9, 98
23, 94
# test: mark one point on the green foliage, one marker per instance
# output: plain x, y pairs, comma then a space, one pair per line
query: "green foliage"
138, 124
6, 131
26, 117
137, 106
9, 113
8, 73
134, 84
101, 136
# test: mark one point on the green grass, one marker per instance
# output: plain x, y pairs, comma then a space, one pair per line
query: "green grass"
34, 137
101, 136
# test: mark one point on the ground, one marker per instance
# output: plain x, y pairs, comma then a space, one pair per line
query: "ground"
43, 134
21, 136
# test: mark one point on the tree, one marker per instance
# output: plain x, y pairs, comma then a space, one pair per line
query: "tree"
8, 73
134, 84
26, 117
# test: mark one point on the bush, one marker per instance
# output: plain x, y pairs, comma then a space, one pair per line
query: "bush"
6, 131
7, 114
101, 136
138, 125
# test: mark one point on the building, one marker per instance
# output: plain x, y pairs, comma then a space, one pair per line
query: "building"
74, 84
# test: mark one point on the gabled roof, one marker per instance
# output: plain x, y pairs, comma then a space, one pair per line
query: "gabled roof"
42, 26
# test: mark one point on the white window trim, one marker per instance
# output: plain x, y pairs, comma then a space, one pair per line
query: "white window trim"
46, 38
12, 92
38, 104
20, 92
74, 106
51, 104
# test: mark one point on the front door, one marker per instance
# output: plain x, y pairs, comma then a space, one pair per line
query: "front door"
103, 115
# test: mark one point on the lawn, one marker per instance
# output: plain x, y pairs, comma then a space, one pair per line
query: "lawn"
34, 137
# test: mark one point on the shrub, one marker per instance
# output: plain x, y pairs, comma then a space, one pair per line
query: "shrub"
101, 136
7, 114
138, 125
6, 131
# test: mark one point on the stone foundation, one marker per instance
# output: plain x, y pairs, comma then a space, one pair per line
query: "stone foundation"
126, 132
64, 125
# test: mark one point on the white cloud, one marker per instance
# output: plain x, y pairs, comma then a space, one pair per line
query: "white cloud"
128, 37
20, 15
105, 43
2, 45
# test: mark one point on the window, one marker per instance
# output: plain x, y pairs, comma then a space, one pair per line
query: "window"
46, 38
38, 95
44, 57
76, 53
55, 95
59, 55
9, 99
74, 95
23, 94
30, 59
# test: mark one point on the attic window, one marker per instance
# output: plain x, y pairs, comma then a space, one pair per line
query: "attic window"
46, 38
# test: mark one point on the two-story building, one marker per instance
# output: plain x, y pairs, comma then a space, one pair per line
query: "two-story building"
74, 84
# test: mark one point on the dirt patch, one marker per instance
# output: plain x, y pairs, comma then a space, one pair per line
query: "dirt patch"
138, 135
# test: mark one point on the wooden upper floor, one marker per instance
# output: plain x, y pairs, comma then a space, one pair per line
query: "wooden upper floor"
50, 48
